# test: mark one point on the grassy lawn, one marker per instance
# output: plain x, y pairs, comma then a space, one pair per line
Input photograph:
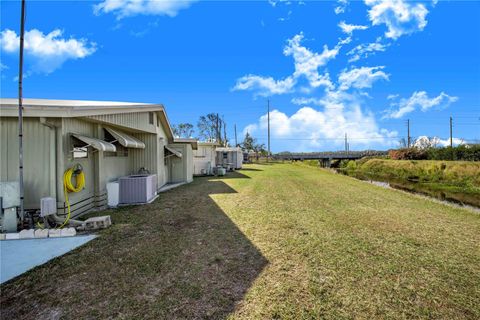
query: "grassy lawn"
272, 241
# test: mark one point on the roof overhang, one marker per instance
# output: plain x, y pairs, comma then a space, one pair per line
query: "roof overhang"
72, 108
173, 151
193, 142
125, 139
213, 144
96, 143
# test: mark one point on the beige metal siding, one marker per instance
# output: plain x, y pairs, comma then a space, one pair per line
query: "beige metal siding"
146, 158
181, 169
37, 158
133, 120
204, 155
86, 199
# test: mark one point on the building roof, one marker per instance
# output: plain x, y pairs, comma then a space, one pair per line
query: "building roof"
71, 108
227, 149
193, 142
47, 108
208, 143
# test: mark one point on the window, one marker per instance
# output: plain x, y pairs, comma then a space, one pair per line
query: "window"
80, 152
150, 117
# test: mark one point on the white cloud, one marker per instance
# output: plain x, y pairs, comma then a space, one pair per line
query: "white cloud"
3, 67
265, 85
349, 28
365, 50
342, 5
424, 142
362, 77
400, 16
128, 8
392, 96
306, 64
47, 51
418, 100
309, 128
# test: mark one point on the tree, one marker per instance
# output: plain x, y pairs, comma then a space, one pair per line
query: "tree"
183, 130
248, 142
210, 128
207, 127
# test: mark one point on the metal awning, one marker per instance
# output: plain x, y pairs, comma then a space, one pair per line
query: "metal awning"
96, 143
174, 152
126, 140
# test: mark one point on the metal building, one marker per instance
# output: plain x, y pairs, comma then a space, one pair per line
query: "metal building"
204, 158
107, 139
229, 157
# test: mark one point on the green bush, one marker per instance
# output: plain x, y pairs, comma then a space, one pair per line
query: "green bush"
458, 153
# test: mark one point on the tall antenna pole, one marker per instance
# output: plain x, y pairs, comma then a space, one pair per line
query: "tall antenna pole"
408, 133
236, 143
224, 131
451, 132
217, 131
20, 112
346, 143
268, 109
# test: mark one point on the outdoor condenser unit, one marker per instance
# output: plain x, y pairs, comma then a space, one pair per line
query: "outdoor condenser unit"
137, 188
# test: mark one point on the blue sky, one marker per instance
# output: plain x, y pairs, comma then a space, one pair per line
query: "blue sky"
329, 68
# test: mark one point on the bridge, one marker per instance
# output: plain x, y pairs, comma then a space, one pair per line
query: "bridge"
325, 158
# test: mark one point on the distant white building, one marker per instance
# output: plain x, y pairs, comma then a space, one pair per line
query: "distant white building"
229, 157
204, 158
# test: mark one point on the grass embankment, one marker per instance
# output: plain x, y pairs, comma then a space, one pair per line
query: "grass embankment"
271, 242
457, 181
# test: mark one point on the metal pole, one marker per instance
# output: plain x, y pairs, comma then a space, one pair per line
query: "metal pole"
451, 132
346, 143
268, 109
217, 129
224, 131
20, 112
408, 133
236, 143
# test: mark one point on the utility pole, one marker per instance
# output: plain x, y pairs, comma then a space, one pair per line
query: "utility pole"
408, 133
218, 131
451, 132
268, 117
346, 143
20, 112
236, 143
224, 131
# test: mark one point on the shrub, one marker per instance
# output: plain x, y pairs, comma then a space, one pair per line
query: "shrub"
408, 154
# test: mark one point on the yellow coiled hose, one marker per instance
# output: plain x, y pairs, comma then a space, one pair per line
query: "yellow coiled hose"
69, 187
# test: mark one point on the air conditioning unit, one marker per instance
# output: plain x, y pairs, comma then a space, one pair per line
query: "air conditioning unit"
137, 188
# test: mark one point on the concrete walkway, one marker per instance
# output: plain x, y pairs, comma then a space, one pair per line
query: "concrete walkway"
19, 256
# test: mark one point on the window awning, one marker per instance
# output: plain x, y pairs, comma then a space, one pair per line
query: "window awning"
174, 152
126, 140
96, 143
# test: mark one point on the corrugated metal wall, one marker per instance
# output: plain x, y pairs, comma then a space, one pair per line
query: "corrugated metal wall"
147, 157
48, 154
134, 120
37, 157
86, 199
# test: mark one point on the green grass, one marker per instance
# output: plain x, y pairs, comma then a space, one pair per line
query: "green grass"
457, 181
277, 241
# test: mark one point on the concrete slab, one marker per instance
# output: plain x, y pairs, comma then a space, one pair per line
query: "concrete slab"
27, 234
19, 256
